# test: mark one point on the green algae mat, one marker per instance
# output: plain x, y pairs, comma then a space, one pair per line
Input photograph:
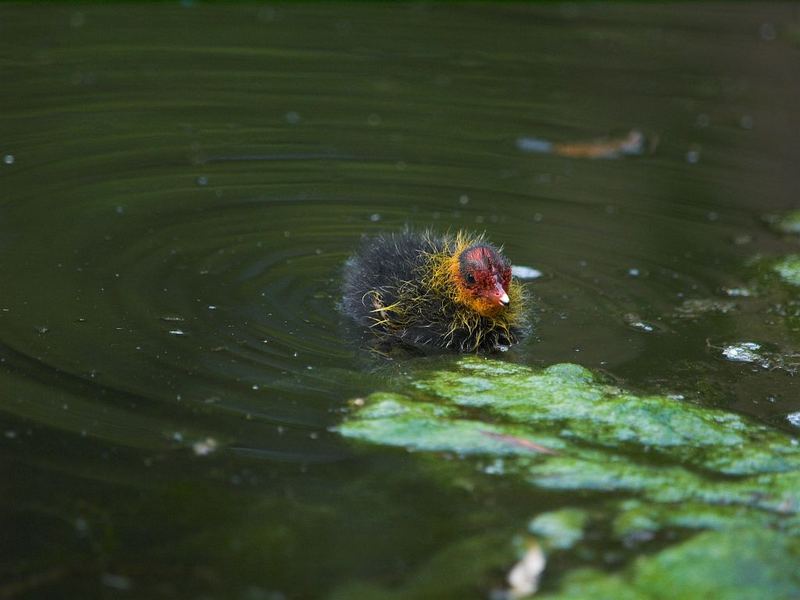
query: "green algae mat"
708, 499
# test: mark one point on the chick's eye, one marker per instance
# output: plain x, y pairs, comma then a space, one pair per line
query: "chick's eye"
470, 278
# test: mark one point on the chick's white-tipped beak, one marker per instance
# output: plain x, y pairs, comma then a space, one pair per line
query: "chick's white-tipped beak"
504, 300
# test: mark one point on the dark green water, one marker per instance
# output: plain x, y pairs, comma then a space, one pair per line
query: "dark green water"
180, 186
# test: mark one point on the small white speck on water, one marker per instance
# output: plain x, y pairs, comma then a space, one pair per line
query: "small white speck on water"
205, 447
737, 292
794, 419
255, 386
634, 272
463, 199
177, 436
744, 352
524, 272
375, 217
202, 180
8, 159
693, 156
641, 325
177, 332
212, 307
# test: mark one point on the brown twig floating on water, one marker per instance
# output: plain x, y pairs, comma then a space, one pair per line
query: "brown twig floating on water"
635, 143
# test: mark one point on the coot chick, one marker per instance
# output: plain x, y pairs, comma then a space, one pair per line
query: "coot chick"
446, 291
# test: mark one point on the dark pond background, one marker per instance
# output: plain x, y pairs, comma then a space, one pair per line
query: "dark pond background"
180, 185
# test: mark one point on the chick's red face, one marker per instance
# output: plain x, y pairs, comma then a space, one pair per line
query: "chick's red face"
485, 275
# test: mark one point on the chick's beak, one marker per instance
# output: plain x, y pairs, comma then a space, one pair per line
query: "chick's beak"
500, 294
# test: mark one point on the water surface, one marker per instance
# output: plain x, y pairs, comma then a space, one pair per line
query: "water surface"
180, 186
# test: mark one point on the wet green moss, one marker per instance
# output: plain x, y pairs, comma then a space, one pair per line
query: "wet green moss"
789, 223
788, 268
737, 564
663, 464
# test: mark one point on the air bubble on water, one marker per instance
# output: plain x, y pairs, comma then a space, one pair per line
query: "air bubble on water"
375, 217
212, 307
255, 386
9, 159
42, 329
634, 272
463, 199
693, 156
177, 436
177, 332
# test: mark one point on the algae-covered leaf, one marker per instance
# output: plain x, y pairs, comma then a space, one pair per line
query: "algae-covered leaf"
788, 268
659, 462
737, 564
